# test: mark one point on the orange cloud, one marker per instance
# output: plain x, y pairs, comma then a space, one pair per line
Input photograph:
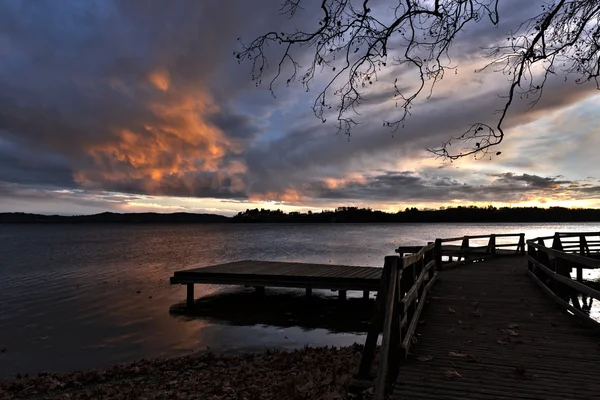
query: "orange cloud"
288, 195
170, 152
160, 78
336, 183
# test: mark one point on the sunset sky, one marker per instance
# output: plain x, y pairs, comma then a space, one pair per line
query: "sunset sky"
140, 105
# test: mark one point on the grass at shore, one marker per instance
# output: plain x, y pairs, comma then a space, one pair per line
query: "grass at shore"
310, 373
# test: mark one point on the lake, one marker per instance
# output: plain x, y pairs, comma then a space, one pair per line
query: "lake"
76, 297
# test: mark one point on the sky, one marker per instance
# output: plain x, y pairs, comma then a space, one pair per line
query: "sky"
140, 105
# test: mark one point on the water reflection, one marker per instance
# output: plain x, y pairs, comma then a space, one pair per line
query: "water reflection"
280, 309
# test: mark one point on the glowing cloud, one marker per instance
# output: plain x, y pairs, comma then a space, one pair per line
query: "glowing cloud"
176, 151
160, 78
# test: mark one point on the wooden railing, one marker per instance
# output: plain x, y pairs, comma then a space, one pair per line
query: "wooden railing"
406, 281
408, 278
404, 286
551, 268
468, 251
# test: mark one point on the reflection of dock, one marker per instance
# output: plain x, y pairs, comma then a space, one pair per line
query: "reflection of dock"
263, 274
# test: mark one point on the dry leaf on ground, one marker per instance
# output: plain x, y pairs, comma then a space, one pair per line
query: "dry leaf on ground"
452, 374
425, 358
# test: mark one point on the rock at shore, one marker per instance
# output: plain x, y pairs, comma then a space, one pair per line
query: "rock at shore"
310, 373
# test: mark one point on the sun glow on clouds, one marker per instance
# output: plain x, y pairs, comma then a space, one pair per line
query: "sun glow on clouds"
160, 78
174, 149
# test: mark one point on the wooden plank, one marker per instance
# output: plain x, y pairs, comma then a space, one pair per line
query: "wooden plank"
283, 274
553, 355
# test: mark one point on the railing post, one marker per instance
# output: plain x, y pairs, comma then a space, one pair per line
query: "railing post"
521, 245
584, 249
437, 254
492, 245
531, 253
190, 295
464, 248
557, 243
582, 246
387, 341
375, 327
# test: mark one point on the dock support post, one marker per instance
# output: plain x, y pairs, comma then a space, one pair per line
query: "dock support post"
342, 294
190, 294
579, 274
260, 290
308, 292
366, 294
437, 254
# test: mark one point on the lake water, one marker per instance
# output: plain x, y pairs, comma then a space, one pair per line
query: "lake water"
76, 297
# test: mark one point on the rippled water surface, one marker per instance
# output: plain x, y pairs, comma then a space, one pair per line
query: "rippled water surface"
75, 296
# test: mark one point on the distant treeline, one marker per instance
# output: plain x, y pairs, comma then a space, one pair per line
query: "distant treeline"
339, 215
108, 217
457, 214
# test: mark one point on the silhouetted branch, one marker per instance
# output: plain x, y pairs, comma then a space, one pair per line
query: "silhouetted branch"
352, 44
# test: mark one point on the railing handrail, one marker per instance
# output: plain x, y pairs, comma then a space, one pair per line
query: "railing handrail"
459, 238
567, 235
410, 259
576, 258
551, 268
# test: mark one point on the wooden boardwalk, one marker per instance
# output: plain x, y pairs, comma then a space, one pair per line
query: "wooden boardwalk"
489, 332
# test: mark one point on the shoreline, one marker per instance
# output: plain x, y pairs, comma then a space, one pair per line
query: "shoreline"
311, 372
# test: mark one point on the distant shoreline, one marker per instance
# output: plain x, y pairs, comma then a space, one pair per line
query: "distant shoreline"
340, 215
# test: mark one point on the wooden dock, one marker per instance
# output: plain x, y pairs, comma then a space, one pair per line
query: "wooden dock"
261, 274
490, 332
492, 328
462, 321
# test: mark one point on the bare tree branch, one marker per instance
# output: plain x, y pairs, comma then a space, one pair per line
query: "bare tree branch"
352, 44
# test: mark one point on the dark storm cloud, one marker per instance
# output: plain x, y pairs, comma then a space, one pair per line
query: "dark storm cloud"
407, 187
145, 97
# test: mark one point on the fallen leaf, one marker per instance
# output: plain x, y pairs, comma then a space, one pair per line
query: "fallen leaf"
425, 358
477, 314
513, 326
513, 333
452, 374
471, 358
456, 354
482, 333
502, 342
451, 310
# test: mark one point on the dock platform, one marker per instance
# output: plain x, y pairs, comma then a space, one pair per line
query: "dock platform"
489, 332
261, 274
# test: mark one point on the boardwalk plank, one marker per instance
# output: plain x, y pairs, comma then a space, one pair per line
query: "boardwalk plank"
554, 356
